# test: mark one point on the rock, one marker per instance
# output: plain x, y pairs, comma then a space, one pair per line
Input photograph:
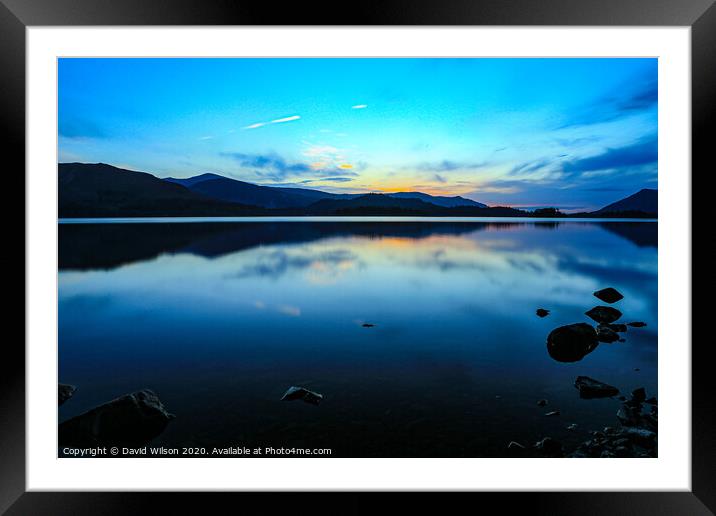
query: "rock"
629, 416
590, 388
622, 340
299, 393
542, 403
368, 325
572, 427
640, 436
541, 312
64, 392
606, 454
572, 343
604, 334
636, 324
130, 420
604, 314
639, 395
553, 413
549, 446
651, 401
608, 295
514, 444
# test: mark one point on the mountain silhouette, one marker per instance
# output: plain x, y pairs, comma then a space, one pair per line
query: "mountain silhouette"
645, 201
101, 190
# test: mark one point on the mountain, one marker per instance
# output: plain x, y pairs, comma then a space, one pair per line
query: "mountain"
445, 202
644, 201
387, 205
233, 190
101, 190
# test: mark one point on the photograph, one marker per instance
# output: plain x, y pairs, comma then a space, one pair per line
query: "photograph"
357, 257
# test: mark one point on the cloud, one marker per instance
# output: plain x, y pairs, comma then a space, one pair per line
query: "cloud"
271, 166
283, 120
642, 152
448, 166
626, 102
276, 121
359, 106
78, 128
331, 179
439, 178
206, 138
529, 167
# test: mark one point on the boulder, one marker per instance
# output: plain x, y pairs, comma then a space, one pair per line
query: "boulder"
130, 420
590, 388
639, 395
541, 312
64, 392
608, 295
604, 334
572, 343
604, 314
300, 393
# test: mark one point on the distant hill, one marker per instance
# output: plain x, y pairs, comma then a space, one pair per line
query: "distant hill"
446, 202
101, 190
233, 190
387, 204
644, 201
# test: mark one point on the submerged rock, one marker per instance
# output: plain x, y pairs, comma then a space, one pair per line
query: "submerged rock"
131, 420
64, 392
541, 312
604, 334
572, 427
572, 343
542, 403
608, 295
604, 314
590, 388
300, 393
636, 324
367, 325
553, 413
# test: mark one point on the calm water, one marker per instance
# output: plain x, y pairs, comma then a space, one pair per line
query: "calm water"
221, 318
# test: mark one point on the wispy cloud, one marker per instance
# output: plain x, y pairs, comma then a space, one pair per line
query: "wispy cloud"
642, 152
359, 106
206, 137
276, 121
626, 102
449, 165
283, 120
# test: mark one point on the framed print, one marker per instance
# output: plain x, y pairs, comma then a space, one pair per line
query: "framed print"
440, 248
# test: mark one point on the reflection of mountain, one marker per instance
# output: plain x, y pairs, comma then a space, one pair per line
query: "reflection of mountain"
92, 246
642, 234
89, 246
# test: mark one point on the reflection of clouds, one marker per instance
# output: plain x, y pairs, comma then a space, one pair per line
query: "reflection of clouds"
293, 311
275, 263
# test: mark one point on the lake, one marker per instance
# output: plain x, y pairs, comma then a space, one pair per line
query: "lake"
220, 318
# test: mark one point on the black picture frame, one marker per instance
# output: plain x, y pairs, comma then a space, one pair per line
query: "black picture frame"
17, 15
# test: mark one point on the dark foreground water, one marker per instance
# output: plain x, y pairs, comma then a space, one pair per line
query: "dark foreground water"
219, 319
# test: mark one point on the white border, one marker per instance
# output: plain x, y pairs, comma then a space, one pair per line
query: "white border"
672, 470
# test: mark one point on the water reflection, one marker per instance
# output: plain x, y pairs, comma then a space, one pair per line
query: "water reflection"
219, 319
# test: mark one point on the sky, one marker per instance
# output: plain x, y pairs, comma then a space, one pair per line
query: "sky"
575, 134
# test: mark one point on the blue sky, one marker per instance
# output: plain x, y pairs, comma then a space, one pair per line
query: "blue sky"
572, 133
